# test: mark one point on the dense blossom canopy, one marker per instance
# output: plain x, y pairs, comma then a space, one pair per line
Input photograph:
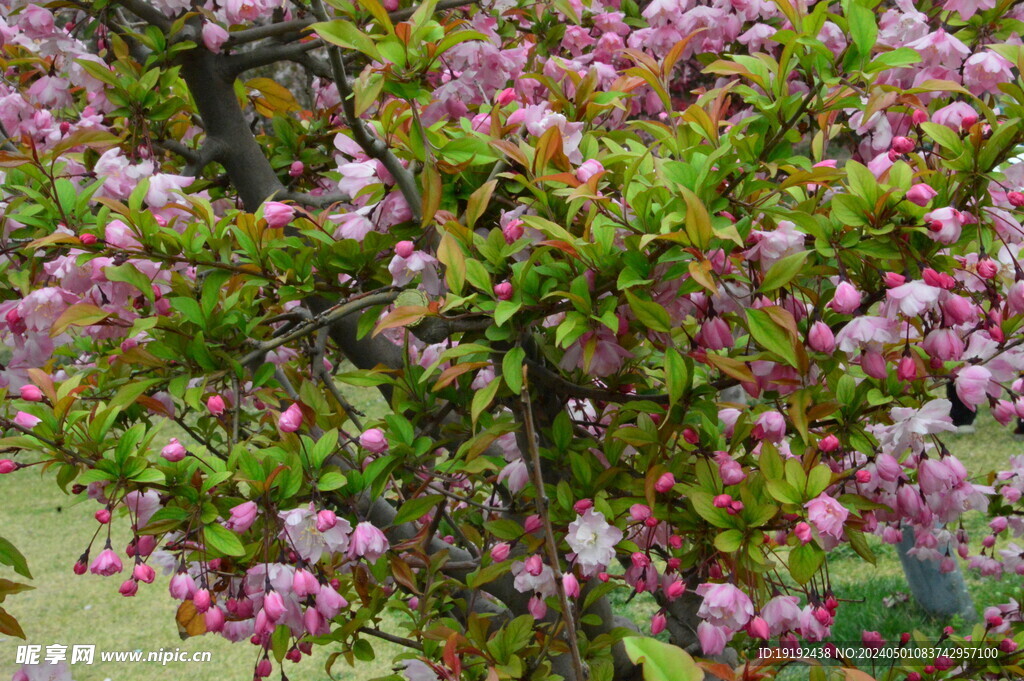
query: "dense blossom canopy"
659, 298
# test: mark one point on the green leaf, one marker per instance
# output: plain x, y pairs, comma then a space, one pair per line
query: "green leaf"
944, 136
771, 336
862, 27
784, 271
649, 313
12, 556
729, 541
416, 508
130, 274
482, 399
346, 35
662, 661
331, 480
804, 561
512, 369
222, 540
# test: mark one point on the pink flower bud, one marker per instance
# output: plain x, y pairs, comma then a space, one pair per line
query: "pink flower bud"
665, 482
1008, 645
863, 476
7, 466
263, 669
921, 194
722, 501
537, 607
892, 280
291, 419
273, 606
174, 451
503, 291
513, 231
829, 443
325, 520
129, 588
532, 524
571, 585
26, 420
919, 116
1016, 199
506, 96
30, 393
583, 505
802, 531
658, 623
675, 589
87, 239
201, 599
500, 552
534, 565
144, 573
304, 583
906, 370
735, 506
968, 121
215, 404
988, 269
182, 586
102, 516
277, 214
846, 298
588, 169
80, 567
374, 441
639, 512
313, 621
758, 628
404, 249
296, 169
214, 619
821, 338
214, 36
902, 145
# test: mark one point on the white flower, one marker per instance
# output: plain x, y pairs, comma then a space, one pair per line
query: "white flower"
301, 534
911, 425
914, 297
525, 583
593, 540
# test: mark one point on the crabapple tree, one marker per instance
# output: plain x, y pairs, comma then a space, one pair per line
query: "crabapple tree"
539, 239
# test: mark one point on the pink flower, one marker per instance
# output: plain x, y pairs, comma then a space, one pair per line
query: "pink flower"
972, 385
129, 588
953, 115
31, 393
588, 169
242, 516
214, 36
503, 291
921, 194
273, 606
821, 338
712, 638
368, 542
7, 466
802, 531
714, 334
593, 540
968, 8
537, 607
214, 619
144, 573
724, 605
201, 600
374, 441
986, 71
291, 419
782, 614
26, 420
513, 231
106, 564
913, 298
827, 515
329, 602
940, 49
36, 22
215, 404
846, 298
665, 482
277, 214
945, 224
174, 451
771, 426
658, 623
944, 344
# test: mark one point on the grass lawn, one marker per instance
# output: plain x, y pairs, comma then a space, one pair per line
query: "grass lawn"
69, 609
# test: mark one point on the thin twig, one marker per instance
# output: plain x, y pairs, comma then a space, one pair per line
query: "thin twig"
551, 546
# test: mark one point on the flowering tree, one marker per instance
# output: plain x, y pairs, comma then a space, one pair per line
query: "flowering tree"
547, 237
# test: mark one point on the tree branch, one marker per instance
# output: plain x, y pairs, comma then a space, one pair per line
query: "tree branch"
147, 13
373, 147
237, 64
